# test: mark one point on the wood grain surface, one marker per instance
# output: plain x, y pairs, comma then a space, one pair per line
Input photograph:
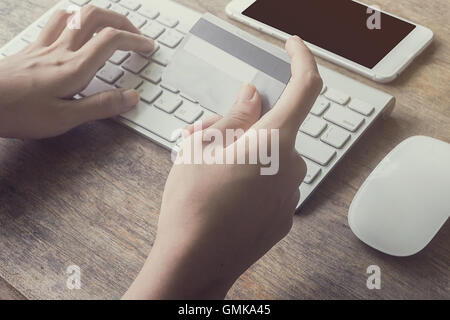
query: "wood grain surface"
91, 197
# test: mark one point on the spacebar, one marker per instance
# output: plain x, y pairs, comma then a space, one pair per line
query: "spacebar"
314, 150
155, 120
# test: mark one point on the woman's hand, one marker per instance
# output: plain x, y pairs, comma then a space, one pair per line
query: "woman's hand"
217, 220
37, 84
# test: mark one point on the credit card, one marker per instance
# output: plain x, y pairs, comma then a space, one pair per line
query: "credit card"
216, 58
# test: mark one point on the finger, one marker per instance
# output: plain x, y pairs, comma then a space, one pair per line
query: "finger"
100, 106
202, 125
94, 19
300, 93
53, 29
244, 113
102, 47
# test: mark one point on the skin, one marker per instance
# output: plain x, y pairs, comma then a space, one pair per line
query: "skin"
36, 85
222, 218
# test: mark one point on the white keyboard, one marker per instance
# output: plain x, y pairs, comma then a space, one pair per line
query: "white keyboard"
343, 112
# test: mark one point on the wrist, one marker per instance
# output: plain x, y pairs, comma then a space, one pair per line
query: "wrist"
6, 110
177, 272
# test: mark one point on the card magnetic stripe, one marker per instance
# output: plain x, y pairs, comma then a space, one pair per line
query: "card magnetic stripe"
243, 50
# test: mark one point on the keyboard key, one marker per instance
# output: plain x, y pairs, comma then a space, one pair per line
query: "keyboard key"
312, 173
163, 56
170, 88
153, 73
119, 56
313, 126
96, 86
149, 12
80, 2
31, 34
135, 63
168, 21
337, 96
320, 106
188, 97
105, 4
344, 117
137, 20
43, 22
206, 114
15, 47
171, 38
314, 149
130, 4
189, 112
149, 92
110, 73
184, 27
119, 9
168, 102
149, 54
336, 137
129, 81
160, 123
153, 30
64, 5
324, 88
361, 107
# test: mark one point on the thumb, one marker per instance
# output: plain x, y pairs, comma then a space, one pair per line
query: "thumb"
103, 105
245, 112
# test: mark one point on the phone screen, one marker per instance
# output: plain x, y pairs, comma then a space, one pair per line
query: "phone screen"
343, 27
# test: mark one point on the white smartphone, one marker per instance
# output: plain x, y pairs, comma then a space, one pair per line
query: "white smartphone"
349, 33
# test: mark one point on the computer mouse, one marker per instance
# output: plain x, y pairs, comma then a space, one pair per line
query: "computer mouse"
406, 200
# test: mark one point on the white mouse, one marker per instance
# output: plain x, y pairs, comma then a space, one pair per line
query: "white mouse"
406, 200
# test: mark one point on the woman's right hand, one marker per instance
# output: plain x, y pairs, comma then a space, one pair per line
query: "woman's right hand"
217, 220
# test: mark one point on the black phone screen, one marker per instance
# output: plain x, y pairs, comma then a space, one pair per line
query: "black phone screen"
344, 27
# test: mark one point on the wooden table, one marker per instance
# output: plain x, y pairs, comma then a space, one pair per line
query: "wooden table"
91, 197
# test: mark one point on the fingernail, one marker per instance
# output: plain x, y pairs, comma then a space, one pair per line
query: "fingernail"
297, 38
247, 92
130, 98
